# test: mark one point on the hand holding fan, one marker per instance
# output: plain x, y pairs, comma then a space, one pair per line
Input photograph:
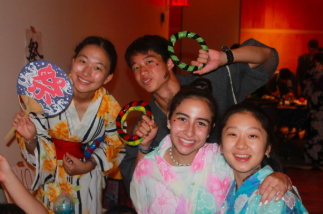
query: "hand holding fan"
43, 88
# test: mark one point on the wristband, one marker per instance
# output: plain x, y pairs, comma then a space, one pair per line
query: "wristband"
93, 164
146, 151
229, 53
29, 141
291, 183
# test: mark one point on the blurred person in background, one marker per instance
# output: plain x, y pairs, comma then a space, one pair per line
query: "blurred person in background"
314, 132
282, 83
304, 63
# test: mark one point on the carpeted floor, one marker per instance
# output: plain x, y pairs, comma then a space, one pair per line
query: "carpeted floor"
307, 179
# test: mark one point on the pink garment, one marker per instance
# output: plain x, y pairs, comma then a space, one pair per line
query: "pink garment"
156, 188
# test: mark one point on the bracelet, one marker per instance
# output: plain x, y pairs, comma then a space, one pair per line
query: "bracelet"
146, 151
93, 164
229, 53
291, 183
29, 141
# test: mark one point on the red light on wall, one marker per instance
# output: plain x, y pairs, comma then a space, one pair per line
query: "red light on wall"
179, 3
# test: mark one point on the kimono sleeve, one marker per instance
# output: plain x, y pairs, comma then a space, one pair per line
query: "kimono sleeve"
44, 159
138, 193
288, 204
108, 155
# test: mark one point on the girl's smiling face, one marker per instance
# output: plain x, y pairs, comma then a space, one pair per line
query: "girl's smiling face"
90, 69
244, 143
190, 125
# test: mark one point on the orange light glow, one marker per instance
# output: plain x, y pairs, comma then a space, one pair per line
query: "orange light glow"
285, 25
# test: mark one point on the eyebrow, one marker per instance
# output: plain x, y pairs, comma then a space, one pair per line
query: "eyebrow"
234, 127
148, 56
100, 63
133, 63
199, 118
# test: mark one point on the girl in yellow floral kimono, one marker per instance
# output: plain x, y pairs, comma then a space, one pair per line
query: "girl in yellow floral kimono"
53, 145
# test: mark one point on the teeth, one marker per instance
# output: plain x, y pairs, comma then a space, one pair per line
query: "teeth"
187, 141
242, 156
146, 81
84, 80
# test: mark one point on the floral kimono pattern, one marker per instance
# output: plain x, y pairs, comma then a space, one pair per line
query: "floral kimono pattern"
51, 178
245, 200
156, 188
314, 132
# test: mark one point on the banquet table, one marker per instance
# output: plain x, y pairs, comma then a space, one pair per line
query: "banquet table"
292, 115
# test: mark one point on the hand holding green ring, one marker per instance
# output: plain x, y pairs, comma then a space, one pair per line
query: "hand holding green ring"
174, 38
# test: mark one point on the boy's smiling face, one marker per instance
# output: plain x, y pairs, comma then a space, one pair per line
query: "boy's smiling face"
150, 71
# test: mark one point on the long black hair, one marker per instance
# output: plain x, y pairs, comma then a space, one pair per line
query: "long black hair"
266, 124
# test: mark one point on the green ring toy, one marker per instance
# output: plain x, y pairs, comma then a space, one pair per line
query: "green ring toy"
132, 106
174, 38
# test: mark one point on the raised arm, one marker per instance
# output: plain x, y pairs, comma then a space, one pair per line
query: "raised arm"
143, 130
40, 151
133, 155
253, 55
17, 190
27, 130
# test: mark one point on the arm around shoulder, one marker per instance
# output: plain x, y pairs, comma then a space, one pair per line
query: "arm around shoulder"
288, 204
251, 51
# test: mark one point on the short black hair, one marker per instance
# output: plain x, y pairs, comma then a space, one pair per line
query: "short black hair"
313, 43
147, 43
284, 74
103, 43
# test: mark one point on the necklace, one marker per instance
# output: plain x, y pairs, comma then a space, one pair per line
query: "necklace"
171, 157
